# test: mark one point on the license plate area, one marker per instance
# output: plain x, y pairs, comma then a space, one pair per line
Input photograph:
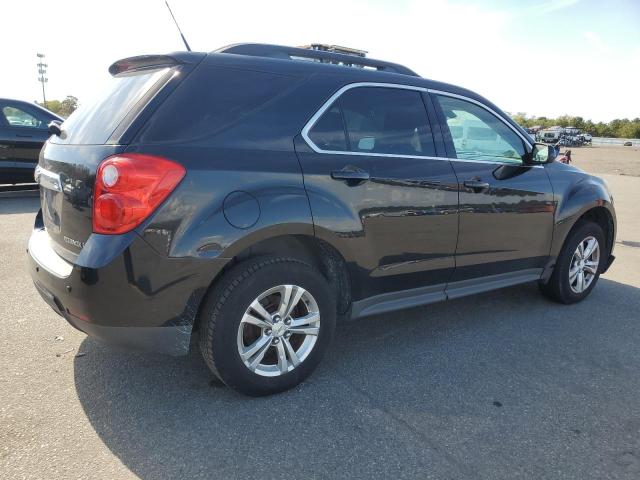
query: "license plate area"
50, 198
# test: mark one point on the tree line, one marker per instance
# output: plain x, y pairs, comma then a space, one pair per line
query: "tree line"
64, 108
618, 128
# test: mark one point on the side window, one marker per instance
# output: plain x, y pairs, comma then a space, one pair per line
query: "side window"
17, 117
212, 99
387, 120
377, 120
479, 135
328, 133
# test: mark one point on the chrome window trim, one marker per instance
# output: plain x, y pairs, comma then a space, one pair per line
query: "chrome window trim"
482, 105
326, 105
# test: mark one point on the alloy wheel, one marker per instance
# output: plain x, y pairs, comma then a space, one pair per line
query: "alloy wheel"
278, 330
584, 264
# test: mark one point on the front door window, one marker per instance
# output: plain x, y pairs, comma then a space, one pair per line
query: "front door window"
478, 134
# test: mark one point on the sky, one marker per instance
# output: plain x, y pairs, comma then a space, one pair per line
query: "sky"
542, 57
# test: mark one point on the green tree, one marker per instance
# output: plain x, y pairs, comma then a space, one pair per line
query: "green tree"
63, 108
578, 122
52, 106
618, 128
68, 106
521, 119
630, 130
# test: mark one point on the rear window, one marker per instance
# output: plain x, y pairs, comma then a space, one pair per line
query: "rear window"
211, 99
94, 122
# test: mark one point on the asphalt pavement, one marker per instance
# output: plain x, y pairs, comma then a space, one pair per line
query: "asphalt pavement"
499, 385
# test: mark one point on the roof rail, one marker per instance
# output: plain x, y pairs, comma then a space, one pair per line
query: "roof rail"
335, 49
294, 53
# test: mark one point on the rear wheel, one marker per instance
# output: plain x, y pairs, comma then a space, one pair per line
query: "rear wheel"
579, 264
267, 324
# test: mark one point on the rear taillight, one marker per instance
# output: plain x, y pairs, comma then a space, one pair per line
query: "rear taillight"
129, 187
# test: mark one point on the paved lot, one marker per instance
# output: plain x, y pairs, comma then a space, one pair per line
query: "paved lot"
607, 159
500, 385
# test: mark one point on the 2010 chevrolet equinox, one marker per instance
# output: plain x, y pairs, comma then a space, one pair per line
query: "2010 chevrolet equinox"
258, 193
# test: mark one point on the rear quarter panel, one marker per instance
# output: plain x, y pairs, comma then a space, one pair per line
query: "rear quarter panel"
244, 182
196, 222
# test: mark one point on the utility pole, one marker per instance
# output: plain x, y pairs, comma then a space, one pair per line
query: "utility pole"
42, 76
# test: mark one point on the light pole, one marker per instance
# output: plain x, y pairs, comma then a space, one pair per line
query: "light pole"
42, 76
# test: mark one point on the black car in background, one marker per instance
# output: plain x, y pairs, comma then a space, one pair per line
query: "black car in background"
257, 194
23, 131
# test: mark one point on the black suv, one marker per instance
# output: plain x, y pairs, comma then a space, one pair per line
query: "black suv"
259, 193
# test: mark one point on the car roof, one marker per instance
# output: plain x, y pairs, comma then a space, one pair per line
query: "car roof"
293, 66
303, 66
30, 105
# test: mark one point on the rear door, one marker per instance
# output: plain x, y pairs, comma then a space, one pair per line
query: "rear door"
506, 207
378, 189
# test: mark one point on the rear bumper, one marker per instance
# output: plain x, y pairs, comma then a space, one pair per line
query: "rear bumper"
139, 300
170, 340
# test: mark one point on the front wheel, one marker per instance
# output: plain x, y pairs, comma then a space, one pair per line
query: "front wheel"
267, 324
578, 266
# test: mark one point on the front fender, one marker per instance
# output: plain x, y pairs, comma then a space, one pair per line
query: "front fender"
576, 194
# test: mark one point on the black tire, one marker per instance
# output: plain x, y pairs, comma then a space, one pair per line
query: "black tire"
226, 305
558, 287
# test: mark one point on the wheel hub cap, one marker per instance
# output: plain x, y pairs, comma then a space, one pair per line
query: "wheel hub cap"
278, 330
584, 264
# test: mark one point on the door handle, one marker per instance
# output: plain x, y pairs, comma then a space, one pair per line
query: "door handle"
23, 136
476, 185
353, 177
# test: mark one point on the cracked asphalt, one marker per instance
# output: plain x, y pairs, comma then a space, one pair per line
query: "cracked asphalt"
501, 385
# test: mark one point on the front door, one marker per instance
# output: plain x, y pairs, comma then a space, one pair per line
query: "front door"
506, 207
377, 189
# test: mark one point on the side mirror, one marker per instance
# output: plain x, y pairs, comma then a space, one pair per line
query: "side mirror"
541, 154
54, 128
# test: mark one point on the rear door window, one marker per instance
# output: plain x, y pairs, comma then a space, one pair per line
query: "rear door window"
329, 133
377, 120
94, 121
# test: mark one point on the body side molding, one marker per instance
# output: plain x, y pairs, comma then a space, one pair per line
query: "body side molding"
388, 302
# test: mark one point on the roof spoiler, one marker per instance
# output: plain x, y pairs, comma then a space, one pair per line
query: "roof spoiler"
143, 62
294, 53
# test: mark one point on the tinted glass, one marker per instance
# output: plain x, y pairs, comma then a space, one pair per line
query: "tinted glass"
328, 133
387, 120
211, 99
17, 117
94, 122
478, 134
